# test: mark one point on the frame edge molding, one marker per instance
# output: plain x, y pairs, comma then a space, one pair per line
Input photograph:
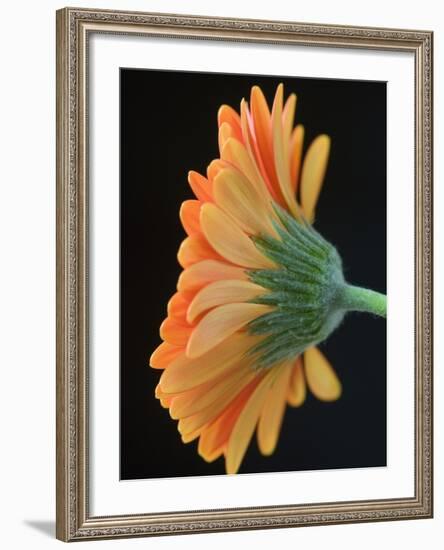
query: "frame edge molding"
72, 522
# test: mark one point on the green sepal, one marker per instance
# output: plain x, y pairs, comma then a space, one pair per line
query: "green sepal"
303, 289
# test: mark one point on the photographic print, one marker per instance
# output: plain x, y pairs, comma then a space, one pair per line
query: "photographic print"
244, 274
252, 273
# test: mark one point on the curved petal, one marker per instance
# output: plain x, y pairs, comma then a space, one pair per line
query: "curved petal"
272, 414
220, 323
200, 185
225, 133
236, 154
215, 167
253, 150
228, 114
191, 436
288, 116
178, 306
215, 436
238, 198
164, 355
313, 172
262, 130
222, 292
297, 389
246, 423
211, 412
185, 373
229, 240
198, 275
296, 143
209, 456
195, 249
321, 378
199, 398
175, 333
189, 214
165, 400
281, 154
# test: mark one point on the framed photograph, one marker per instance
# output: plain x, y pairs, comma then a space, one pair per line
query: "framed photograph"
244, 274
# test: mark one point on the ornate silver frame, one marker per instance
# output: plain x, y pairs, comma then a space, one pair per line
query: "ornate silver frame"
74, 521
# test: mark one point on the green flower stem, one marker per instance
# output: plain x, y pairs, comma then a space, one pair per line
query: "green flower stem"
355, 298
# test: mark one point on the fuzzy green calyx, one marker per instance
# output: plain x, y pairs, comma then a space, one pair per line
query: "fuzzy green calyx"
308, 291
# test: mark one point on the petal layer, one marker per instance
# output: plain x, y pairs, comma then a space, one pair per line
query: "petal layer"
198, 275
297, 388
195, 249
272, 414
313, 172
185, 373
239, 198
226, 237
220, 323
220, 293
246, 423
214, 437
164, 355
189, 216
321, 378
200, 185
175, 333
281, 154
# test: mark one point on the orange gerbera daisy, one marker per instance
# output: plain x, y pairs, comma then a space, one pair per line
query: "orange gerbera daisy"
260, 288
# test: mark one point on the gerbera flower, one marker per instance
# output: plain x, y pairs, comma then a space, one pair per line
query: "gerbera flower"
260, 287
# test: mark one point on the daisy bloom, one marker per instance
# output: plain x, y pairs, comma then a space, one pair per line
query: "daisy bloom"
259, 290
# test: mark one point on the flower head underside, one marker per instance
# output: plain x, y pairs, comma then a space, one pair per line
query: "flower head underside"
259, 290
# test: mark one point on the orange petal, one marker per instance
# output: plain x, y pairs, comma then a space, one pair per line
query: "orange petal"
189, 216
321, 378
288, 116
175, 333
281, 154
220, 323
210, 413
178, 305
207, 271
201, 186
297, 389
209, 456
228, 114
262, 129
214, 436
239, 198
194, 249
181, 401
222, 292
313, 172
164, 355
236, 154
185, 373
199, 398
225, 133
215, 167
272, 414
187, 438
297, 141
229, 240
246, 423
165, 400
253, 151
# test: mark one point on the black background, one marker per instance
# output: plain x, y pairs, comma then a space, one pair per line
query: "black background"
168, 127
